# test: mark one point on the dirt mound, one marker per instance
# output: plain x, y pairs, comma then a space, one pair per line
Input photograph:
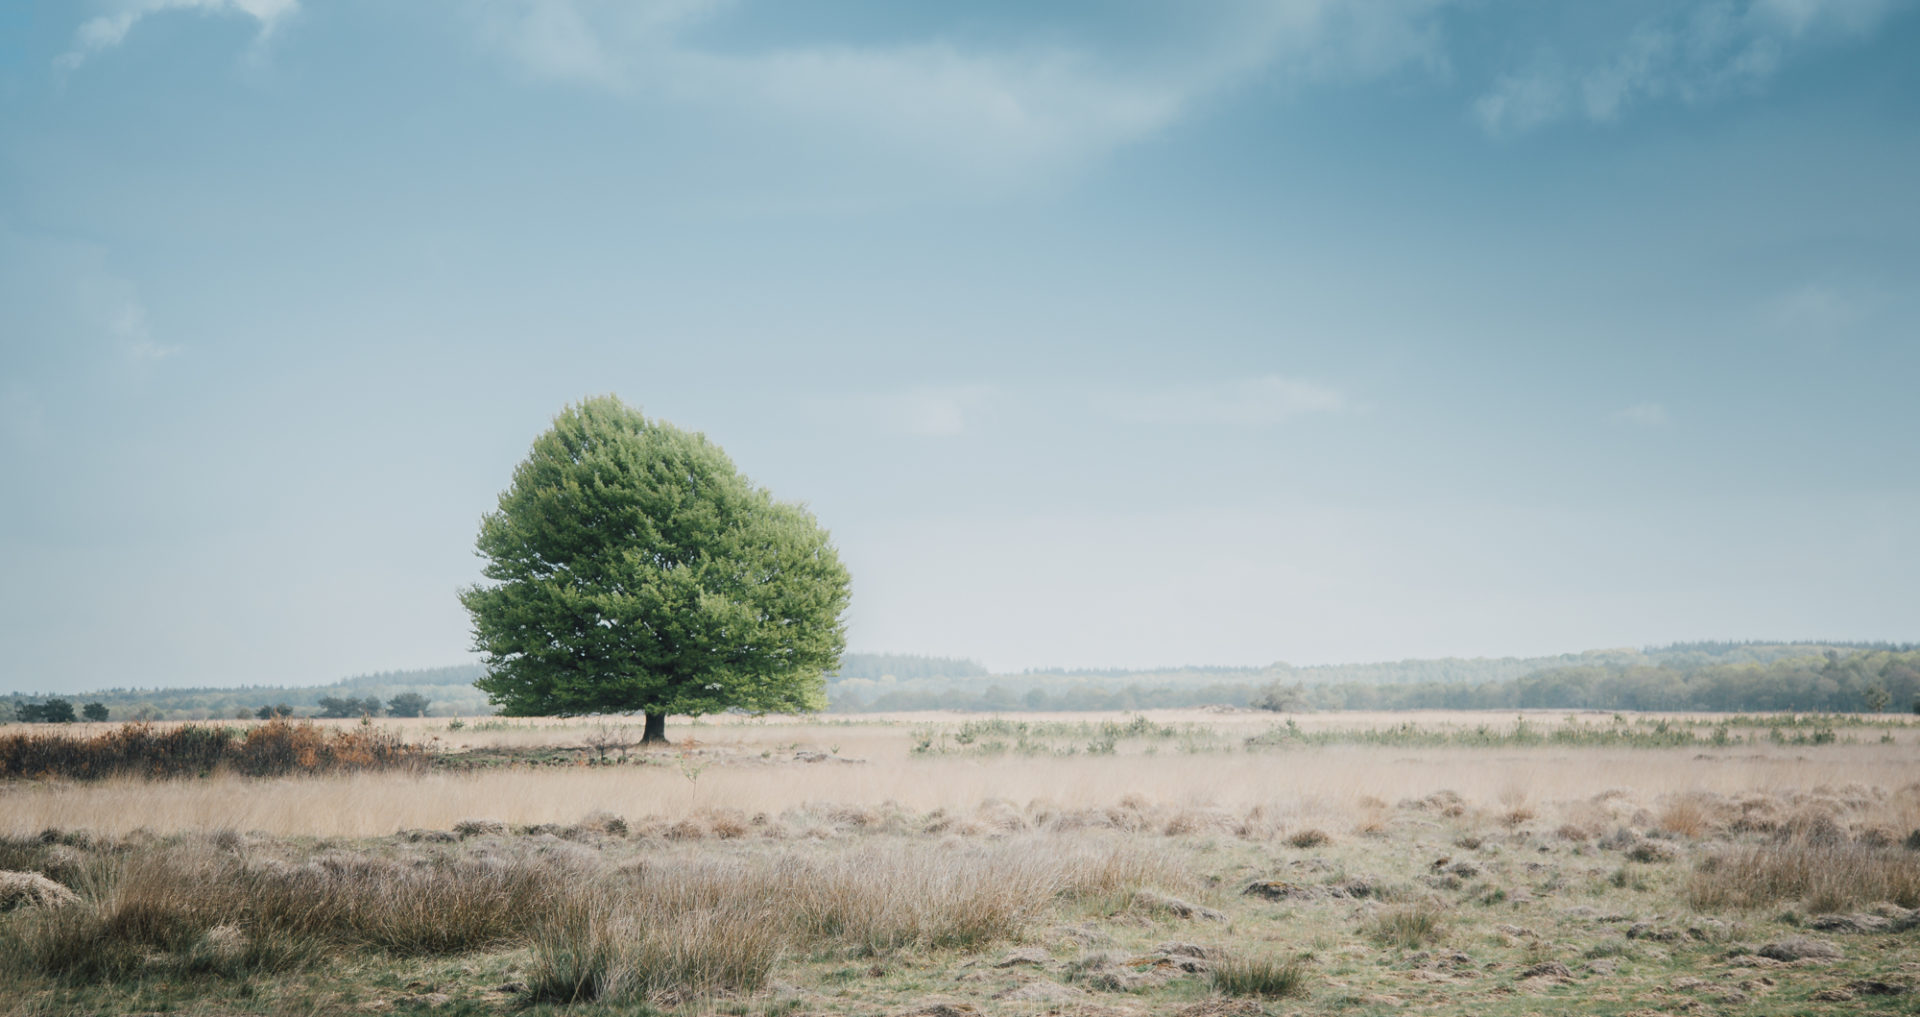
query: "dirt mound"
33, 890
1800, 948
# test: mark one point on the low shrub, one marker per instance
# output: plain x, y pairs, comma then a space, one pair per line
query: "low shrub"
1409, 926
1265, 977
275, 748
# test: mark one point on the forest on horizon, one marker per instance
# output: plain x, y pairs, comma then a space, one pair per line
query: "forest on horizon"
1705, 676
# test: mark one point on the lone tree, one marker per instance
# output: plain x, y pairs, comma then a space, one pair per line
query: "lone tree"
634, 569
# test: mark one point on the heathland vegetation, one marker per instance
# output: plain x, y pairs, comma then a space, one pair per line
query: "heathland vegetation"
1198, 864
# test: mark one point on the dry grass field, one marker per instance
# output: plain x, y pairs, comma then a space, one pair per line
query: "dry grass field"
1205, 863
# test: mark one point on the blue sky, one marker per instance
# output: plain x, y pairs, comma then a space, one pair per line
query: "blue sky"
1117, 333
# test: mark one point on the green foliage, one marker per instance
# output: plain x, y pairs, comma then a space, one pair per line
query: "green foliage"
1827, 677
276, 710
94, 711
1811, 678
407, 704
634, 568
1281, 698
449, 689
349, 706
53, 711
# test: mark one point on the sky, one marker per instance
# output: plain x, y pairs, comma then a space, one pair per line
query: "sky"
1099, 334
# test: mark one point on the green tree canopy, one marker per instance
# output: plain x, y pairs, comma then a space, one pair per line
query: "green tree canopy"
407, 704
634, 568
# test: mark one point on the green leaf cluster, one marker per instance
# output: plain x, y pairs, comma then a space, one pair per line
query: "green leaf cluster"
633, 567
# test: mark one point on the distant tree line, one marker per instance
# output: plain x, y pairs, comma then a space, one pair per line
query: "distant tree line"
906, 667
1705, 677
998, 698
449, 692
1833, 682
54, 710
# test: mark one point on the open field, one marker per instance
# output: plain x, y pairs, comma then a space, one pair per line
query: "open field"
1185, 861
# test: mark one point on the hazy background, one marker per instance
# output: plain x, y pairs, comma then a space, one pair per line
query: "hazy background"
1116, 334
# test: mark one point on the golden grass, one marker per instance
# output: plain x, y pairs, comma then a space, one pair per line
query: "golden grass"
1325, 787
1824, 875
652, 926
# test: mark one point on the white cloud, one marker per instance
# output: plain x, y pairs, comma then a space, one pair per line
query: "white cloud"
1819, 310
938, 412
1250, 402
986, 109
128, 324
1641, 415
1697, 54
108, 30
1521, 102
65, 297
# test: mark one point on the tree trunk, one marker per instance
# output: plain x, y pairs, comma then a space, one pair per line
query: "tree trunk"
656, 732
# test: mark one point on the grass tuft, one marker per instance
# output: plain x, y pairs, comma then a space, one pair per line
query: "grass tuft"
1264, 977
1408, 926
1824, 876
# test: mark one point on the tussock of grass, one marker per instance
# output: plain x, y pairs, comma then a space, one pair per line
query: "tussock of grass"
1408, 926
633, 946
694, 927
168, 900
1823, 875
1265, 977
678, 926
1310, 838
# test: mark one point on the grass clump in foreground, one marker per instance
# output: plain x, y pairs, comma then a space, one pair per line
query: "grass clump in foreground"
1408, 926
1822, 876
651, 929
632, 948
1265, 977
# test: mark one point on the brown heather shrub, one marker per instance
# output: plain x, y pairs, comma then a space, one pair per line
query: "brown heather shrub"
1309, 838
1516, 815
729, 824
1758, 813
1822, 875
1813, 824
690, 828
1371, 826
276, 748
1689, 815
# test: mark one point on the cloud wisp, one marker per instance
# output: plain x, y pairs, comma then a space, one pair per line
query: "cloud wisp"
1640, 415
991, 109
1695, 55
1248, 402
106, 31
